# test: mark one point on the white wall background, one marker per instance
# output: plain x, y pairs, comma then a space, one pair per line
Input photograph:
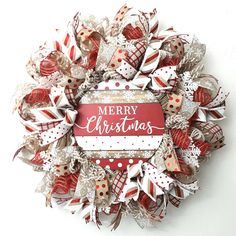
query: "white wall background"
23, 26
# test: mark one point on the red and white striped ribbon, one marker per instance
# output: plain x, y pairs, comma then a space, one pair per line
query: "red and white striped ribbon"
153, 22
74, 205
154, 183
219, 99
149, 180
153, 53
148, 70
159, 78
182, 191
47, 114
62, 112
131, 188
80, 205
65, 42
211, 114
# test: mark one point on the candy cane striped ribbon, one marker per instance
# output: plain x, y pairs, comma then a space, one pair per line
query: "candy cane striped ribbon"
182, 191
153, 53
159, 78
153, 22
211, 114
148, 70
219, 99
131, 188
62, 112
87, 212
154, 183
150, 188
75, 204
149, 180
65, 42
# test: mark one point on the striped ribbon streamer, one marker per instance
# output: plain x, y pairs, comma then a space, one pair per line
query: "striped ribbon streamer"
219, 99
211, 114
158, 79
131, 188
149, 180
215, 109
62, 112
154, 183
153, 53
65, 42
81, 205
153, 22
182, 191
74, 205
148, 70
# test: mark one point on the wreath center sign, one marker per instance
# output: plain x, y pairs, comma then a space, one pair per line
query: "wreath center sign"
120, 117
115, 128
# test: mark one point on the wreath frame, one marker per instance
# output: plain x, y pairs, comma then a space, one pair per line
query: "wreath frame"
61, 83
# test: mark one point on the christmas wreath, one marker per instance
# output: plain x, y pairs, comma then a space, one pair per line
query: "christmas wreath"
119, 117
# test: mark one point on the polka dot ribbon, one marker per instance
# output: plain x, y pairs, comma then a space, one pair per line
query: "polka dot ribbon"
62, 115
174, 103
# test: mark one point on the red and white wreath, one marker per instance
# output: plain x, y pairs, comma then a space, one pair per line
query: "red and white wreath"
119, 117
